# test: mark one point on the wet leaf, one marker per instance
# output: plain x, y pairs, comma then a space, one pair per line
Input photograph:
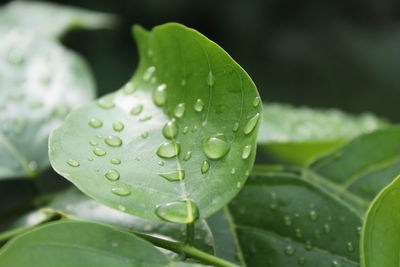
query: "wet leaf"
188, 136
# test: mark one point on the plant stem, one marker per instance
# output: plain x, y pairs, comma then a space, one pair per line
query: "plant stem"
190, 230
187, 249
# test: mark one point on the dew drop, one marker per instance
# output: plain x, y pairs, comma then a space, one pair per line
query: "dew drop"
183, 82
349, 247
121, 190
118, 126
251, 124
287, 220
177, 175
136, 110
73, 163
160, 95
298, 233
198, 105
168, 150
246, 152
327, 228
289, 250
129, 88
233, 170
93, 142
121, 208
302, 260
313, 215
238, 184
308, 245
99, 152
256, 101
179, 110
335, 263
145, 118
95, 123
317, 234
105, 103
144, 135
235, 127
210, 79
115, 161
215, 147
205, 166
161, 163
185, 129
181, 211
112, 175
359, 229
148, 73
170, 130
113, 141
90, 159
187, 156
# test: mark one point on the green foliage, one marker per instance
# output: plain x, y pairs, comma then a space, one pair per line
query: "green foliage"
155, 150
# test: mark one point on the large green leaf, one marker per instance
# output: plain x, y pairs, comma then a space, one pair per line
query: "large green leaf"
40, 82
279, 219
73, 204
72, 243
297, 135
50, 20
360, 169
380, 242
180, 137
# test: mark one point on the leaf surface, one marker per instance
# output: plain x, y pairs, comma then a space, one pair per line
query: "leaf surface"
176, 142
297, 135
380, 242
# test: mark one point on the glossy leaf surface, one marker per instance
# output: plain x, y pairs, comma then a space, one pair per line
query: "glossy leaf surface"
296, 135
176, 142
380, 241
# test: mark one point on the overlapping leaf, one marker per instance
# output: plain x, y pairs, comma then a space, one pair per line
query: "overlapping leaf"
176, 142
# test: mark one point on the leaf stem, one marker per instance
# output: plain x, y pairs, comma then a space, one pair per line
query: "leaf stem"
187, 249
190, 230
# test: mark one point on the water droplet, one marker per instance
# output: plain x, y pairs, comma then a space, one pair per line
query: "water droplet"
115, 161
235, 127
302, 261
185, 129
90, 159
95, 123
121, 208
145, 118
246, 152
287, 220
177, 175
160, 95
161, 163
215, 147
181, 211
73, 163
118, 126
121, 190
317, 234
148, 73
113, 141
256, 101
129, 88
289, 250
359, 229
170, 130
335, 263
251, 124
105, 103
144, 135
198, 105
136, 110
313, 215
194, 128
112, 175
233, 170
187, 156
168, 150
349, 247
93, 142
99, 152
205, 166
298, 233
179, 110
210, 79
308, 245
238, 184
327, 228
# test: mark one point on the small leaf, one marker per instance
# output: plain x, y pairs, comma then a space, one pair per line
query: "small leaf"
279, 219
40, 83
380, 241
297, 135
157, 180
72, 243
50, 20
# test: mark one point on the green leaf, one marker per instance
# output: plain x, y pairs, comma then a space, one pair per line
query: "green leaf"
40, 83
72, 243
75, 205
50, 20
297, 135
380, 237
360, 169
178, 139
380, 240
280, 219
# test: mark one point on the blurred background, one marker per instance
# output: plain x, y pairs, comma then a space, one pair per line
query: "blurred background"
330, 53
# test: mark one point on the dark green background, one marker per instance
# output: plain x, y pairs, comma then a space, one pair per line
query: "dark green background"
328, 53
